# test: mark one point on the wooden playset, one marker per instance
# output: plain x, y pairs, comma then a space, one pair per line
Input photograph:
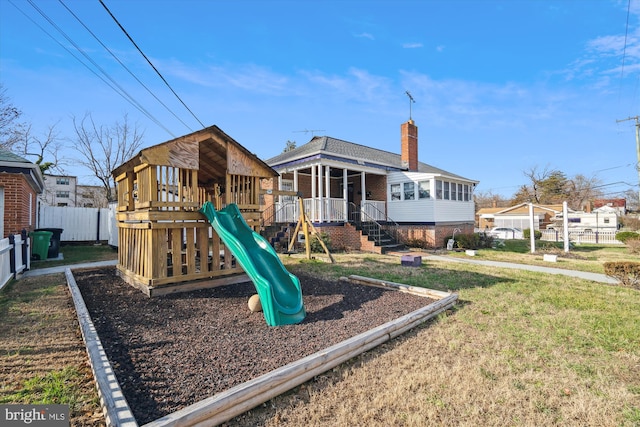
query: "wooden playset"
166, 245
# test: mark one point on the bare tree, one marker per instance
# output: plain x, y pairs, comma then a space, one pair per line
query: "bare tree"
489, 200
48, 146
10, 128
583, 190
103, 148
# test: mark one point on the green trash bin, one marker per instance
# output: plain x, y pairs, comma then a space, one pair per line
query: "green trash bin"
40, 244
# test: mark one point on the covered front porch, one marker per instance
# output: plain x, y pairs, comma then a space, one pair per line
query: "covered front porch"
331, 194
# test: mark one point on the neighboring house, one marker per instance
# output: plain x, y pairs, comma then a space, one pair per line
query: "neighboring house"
620, 205
343, 183
20, 184
64, 190
60, 190
517, 216
604, 218
547, 217
91, 196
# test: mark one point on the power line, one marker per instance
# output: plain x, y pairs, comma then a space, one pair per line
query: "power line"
624, 48
123, 65
150, 63
118, 89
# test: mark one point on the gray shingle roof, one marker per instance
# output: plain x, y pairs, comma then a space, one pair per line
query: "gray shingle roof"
325, 145
8, 156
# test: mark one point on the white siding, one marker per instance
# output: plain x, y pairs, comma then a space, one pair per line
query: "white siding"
448, 210
426, 210
412, 210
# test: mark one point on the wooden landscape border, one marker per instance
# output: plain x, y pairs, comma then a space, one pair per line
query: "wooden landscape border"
224, 406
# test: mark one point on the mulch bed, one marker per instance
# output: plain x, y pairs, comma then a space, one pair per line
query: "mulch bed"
172, 351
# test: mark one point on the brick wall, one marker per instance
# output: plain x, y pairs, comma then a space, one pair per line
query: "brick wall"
433, 236
344, 237
16, 203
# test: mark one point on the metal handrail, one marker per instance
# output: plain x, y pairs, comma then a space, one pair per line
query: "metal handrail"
359, 217
271, 218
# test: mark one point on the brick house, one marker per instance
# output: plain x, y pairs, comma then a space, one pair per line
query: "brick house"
20, 184
344, 185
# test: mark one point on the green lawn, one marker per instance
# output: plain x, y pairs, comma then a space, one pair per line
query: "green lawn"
584, 257
74, 254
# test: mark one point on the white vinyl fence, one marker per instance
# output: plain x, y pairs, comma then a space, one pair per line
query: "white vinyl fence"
14, 257
599, 237
77, 224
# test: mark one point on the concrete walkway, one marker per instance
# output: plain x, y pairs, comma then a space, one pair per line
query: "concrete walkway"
596, 277
62, 268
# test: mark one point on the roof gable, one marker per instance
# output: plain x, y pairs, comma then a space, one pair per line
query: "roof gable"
523, 208
210, 151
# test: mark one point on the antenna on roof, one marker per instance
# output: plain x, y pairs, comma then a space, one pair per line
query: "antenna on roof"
411, 101
307, 131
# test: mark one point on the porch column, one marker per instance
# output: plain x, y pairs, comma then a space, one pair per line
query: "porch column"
345, 194
279, 188
295, 188
327, 185
363, 190
313, 193
320, 195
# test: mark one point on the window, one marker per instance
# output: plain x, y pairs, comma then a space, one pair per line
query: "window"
606, 220
395, 192
424, 190
454, 191
438, 189
62, 194
62, 181
460, 192
409, 191
466, 192
446, 191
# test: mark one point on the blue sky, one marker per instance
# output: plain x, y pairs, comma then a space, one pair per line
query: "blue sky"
500, 87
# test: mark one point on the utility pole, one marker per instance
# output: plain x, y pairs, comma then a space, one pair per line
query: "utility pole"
636, 118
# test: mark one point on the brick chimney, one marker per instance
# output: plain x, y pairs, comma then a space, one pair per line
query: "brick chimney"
409, 145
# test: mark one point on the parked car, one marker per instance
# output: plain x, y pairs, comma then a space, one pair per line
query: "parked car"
506, 233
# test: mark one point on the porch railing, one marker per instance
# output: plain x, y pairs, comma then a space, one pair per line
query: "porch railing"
374, 210
325, 209
280, 213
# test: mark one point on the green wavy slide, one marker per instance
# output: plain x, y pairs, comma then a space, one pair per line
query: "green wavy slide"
279, 291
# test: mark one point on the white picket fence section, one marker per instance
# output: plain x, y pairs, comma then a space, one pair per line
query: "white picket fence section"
599, 237
12, 261
77, 224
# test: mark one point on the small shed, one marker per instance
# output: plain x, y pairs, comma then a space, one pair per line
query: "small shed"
164, 243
